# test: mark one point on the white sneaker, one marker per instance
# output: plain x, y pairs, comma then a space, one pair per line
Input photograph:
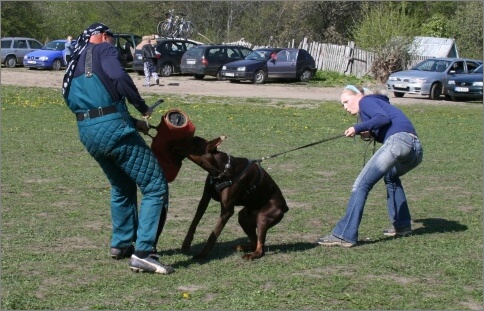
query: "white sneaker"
149, 264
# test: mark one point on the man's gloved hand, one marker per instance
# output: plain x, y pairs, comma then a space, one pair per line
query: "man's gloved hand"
142, 126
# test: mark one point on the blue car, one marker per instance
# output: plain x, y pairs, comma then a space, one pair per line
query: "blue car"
270, 64
51, 56
466, 86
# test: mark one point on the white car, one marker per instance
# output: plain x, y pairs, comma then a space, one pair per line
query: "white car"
430, 77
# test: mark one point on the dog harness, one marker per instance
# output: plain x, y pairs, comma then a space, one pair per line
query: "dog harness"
220, 185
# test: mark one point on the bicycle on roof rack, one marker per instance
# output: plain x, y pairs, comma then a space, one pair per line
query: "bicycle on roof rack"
175, 26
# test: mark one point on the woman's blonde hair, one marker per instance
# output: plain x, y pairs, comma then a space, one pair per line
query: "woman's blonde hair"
353, 89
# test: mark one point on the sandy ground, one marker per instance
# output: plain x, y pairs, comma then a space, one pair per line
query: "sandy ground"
209, 86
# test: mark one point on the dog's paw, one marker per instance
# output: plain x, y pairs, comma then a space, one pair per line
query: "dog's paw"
244, 248
252, 256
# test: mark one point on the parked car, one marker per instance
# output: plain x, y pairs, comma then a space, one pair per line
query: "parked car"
170, 52
15, 48
272, 63
208, 60
468, 86
429, 77
50, 56
126, 43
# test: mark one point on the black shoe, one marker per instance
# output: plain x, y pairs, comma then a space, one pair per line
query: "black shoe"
402, 231
149, 264
121, 252
157, 81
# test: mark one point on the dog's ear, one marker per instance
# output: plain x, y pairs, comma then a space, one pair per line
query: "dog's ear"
214, 143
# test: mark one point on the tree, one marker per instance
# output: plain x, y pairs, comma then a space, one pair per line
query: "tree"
386, 30
466, 27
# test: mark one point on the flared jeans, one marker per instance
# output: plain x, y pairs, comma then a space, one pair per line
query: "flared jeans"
399, 154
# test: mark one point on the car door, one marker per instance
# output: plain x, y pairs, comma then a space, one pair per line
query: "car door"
282, 66
21, 48
217, 57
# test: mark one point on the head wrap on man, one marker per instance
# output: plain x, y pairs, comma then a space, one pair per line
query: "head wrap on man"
81, 44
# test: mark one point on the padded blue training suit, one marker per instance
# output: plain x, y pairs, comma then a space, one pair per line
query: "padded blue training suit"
114, 142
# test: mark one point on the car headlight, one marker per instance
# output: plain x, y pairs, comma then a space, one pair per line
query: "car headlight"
43, 58
224, 68
418, 81
477, 83
392, 79
451, 82
241, 68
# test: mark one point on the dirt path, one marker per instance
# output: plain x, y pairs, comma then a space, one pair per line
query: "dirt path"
209, 86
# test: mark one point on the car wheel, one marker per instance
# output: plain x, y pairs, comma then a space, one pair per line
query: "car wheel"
56, 64
306, 75
259, 77
398, 94
11, 62
166, 70
219, 75
199, 77
435, 91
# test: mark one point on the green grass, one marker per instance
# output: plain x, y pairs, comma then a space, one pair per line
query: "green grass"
56, 223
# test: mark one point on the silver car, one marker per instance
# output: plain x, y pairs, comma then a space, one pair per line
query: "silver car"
430, 77
15, 48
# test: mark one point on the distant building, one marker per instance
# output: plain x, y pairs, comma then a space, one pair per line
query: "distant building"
434, 47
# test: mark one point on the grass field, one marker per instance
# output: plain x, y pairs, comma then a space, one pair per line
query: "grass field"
56, 225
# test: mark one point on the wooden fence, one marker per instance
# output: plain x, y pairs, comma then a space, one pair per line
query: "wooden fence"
344, 59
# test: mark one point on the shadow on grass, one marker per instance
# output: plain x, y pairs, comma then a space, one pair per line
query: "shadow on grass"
227, 249
429, 226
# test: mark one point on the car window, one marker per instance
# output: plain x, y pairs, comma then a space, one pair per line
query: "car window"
195, 51
478, 69
20, 44
188, 45
54, 46
177, 47
233, 53
215, 53
245, 51
457, 67
6, 44
259, 55
292, 56
471, 66
282, 56
34, 44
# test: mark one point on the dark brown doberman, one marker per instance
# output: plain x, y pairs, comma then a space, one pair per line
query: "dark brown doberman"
234, 182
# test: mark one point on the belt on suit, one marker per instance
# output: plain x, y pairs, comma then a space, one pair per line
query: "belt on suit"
94, 113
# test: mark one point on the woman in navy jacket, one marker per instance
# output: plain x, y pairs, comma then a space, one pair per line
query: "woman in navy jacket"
401, 152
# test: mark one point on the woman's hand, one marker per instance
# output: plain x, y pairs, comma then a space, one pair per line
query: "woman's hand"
350, 132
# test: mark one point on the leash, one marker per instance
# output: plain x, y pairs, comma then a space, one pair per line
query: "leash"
305, 146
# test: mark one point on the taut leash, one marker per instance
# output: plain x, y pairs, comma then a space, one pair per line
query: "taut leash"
305, 146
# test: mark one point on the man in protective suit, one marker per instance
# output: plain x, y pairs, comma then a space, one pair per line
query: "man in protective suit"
95, 88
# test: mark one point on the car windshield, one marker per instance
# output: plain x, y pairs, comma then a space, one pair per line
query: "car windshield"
259, 55
54, 46
478, 69
435, 65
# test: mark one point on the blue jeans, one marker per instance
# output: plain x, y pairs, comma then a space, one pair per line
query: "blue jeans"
400, 153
